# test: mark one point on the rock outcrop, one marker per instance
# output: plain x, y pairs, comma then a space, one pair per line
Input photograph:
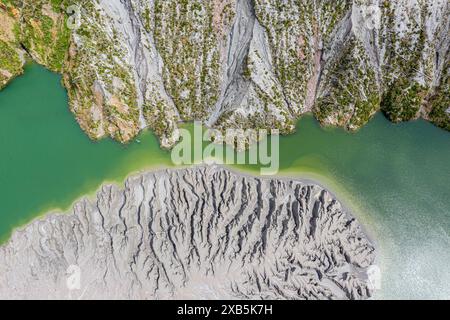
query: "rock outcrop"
130, 64
203, 232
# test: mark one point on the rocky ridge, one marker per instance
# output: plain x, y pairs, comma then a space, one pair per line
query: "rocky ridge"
235, 63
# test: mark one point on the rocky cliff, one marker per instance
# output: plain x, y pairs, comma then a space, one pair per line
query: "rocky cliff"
203, 232
235, 63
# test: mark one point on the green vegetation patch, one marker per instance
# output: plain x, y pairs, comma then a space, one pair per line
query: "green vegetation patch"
351, 92
439, 103
189, 43
295, 29
44, 32
403, 100
9, 59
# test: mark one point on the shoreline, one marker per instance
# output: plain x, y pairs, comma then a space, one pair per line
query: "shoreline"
90, 195
349, 208
305, 198
337, 192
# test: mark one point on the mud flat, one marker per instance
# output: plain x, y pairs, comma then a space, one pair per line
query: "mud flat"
202, 232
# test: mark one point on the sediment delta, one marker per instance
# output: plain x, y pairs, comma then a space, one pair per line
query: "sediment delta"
202, 232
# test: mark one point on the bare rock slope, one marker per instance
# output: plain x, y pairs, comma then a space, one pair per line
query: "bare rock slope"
131, 64
203, 232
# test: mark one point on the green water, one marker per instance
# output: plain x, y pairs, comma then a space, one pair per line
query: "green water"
396, 178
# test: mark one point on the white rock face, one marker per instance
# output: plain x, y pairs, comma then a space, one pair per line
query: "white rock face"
196, 233
134, 64
257, 63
